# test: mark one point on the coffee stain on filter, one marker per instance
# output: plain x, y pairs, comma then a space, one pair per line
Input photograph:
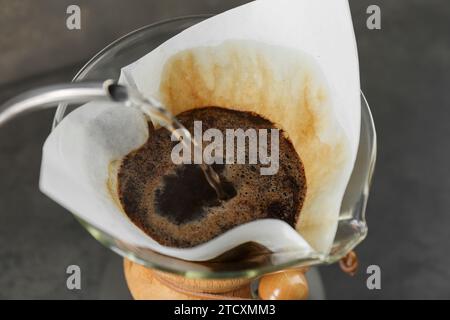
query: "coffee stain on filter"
287, 87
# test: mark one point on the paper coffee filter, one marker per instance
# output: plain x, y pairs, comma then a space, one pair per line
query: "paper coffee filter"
285, 86
321, 28
293, 62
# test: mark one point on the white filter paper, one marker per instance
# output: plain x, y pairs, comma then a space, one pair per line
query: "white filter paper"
302, 44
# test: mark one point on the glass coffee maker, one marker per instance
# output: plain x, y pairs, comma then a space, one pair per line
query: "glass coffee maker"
266, 275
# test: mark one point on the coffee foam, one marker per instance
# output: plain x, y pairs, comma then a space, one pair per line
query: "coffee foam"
174, 203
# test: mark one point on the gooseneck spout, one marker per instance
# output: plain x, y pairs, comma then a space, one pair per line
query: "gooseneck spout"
51, 96
109, 90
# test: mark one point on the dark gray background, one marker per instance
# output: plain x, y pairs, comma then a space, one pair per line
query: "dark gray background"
404, 73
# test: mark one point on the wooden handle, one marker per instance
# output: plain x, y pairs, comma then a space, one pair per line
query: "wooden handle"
147, 284
284, 285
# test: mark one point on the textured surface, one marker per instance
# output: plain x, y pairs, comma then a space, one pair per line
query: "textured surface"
405, 71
